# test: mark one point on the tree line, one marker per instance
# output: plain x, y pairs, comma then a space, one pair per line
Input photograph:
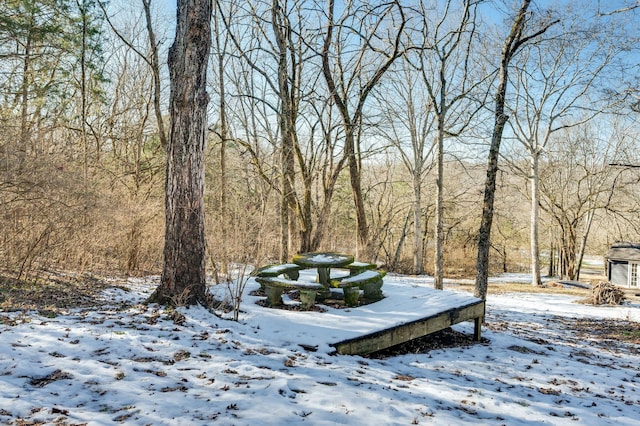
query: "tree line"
411, 133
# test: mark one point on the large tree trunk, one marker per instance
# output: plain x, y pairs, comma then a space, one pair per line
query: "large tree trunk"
184, 275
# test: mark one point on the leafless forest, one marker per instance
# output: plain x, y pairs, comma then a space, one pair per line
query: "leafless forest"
358, 126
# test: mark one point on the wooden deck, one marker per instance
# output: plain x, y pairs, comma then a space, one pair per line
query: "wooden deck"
402, 333
410, 309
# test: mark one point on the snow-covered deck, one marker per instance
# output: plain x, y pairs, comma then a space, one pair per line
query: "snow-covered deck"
407, 312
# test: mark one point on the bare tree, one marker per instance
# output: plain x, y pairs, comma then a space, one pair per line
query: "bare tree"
359, 47
184, 273
445, 65
554, 87
152, 59
154, 63
577, 183
409, 112
289, 68
279, 57
221, 42
513, 42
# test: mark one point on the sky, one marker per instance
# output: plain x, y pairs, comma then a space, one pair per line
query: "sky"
127, 363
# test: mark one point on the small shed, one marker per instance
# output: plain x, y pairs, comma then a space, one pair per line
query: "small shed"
622, 262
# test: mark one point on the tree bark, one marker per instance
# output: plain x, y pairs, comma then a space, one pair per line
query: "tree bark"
184, 275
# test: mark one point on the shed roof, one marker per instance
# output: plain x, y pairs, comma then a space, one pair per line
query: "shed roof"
624, 251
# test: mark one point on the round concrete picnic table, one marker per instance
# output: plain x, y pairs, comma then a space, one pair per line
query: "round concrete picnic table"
323, 262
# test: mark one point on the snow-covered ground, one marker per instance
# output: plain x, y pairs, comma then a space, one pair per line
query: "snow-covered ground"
128, 363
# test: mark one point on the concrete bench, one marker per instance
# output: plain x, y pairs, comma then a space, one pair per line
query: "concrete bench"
368, 280
357, 267
273, 287
289, 270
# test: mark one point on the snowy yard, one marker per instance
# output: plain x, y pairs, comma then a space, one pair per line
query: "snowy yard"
546, 361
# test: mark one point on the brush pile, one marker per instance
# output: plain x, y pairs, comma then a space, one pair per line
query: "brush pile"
605, 293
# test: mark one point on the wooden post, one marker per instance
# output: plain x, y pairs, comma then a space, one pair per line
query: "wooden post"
477, 329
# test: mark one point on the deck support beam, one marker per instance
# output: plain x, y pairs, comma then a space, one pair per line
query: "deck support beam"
402, 333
